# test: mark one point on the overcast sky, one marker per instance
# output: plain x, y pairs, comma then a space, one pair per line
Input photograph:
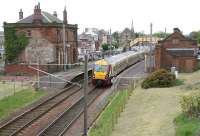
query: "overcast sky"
114, 14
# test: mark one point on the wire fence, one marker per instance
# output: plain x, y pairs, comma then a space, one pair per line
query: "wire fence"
105, 123
10, 87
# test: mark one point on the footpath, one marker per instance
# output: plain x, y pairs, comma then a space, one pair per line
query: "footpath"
150, 112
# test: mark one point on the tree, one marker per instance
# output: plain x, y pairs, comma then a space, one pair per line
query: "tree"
195, 35
115, 45
14, 44
161, 34
137, 34
105, 46
116, 38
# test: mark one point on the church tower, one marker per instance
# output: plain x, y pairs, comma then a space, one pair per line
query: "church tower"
132, 31
65, 16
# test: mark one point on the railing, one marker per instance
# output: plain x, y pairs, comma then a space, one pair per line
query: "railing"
106, 121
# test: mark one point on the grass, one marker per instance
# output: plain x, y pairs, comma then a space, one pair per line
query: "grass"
104, 124
178, 82
9, 88
19, 100
187, 126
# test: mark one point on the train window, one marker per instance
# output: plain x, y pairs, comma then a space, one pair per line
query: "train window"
101, 68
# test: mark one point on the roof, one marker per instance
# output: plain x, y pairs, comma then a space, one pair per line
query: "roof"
182, 52
101, 62
46, 18
177, 31
117, 58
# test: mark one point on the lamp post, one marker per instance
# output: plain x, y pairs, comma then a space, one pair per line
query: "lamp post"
64, 49
151, 62
68, 46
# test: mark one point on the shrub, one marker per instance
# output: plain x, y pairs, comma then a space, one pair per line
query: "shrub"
159, 78
190, 104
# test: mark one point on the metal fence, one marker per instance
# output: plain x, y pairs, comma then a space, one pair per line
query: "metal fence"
123, 86
10, 87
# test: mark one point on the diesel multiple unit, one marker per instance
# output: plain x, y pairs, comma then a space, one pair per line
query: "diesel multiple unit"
104, 70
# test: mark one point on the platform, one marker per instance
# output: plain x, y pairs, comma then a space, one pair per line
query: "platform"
60, 79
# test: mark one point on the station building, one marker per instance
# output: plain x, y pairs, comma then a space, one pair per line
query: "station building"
45, 34
176, 51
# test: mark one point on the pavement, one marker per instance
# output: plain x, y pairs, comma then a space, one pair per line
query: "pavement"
59, 80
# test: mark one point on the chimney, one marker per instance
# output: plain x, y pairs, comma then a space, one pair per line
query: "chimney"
20, 14
55, 14
177, 30
37, 17
65, 16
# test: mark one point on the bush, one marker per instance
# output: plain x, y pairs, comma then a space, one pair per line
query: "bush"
190, 104
159, 78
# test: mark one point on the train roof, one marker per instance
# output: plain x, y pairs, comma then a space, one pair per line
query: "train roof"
119, 57
116, 58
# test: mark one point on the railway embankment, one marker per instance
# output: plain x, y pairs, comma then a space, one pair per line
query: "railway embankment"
157, 111
20, 99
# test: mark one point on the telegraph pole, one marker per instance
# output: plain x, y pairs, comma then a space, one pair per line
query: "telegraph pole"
85, 95
64, 47
150, 59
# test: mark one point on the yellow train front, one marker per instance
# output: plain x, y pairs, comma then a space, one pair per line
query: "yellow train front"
104, 70
101, 73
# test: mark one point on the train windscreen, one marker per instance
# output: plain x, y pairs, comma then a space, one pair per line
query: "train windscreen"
101, 68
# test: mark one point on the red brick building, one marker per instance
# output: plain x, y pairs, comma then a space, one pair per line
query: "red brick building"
45, 34
176, 50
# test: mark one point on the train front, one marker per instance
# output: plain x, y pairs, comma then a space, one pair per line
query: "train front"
101, 70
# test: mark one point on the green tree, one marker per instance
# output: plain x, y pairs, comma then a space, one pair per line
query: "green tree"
115, 45
137, 34
195, 35
14, 44
105, 46
161, 34
116, 39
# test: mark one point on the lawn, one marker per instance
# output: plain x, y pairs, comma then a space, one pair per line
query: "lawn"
9, 88
20, 99
151, 112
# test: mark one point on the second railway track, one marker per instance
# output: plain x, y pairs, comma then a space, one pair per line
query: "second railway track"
18, 123
63, 122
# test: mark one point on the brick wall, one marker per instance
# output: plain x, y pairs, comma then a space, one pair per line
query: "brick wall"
165, 60
24, 69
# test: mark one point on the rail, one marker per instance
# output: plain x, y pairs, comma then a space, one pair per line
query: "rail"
69, 116
21, 121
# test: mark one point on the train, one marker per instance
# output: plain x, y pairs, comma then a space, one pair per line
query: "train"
105, 69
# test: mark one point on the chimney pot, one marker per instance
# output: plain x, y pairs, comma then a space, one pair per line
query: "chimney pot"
20, 14
55, 14
37, 17
177, 30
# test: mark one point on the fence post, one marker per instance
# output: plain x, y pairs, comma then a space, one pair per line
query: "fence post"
14, 86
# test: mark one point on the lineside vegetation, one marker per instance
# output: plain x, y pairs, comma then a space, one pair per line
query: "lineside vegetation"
19, 100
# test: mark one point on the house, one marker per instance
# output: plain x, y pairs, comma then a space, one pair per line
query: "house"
176, 51
45, 34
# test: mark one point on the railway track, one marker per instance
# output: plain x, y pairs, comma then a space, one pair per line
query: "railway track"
25, 119
63, 122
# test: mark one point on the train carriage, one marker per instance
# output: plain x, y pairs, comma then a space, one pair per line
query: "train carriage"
104, 70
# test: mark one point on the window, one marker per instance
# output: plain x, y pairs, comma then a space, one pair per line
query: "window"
29, 33
101, 68
175, 41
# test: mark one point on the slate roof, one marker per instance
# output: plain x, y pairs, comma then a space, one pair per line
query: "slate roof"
182, 52
46, 18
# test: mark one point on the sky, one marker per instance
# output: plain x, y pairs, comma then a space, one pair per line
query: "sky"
114, 14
